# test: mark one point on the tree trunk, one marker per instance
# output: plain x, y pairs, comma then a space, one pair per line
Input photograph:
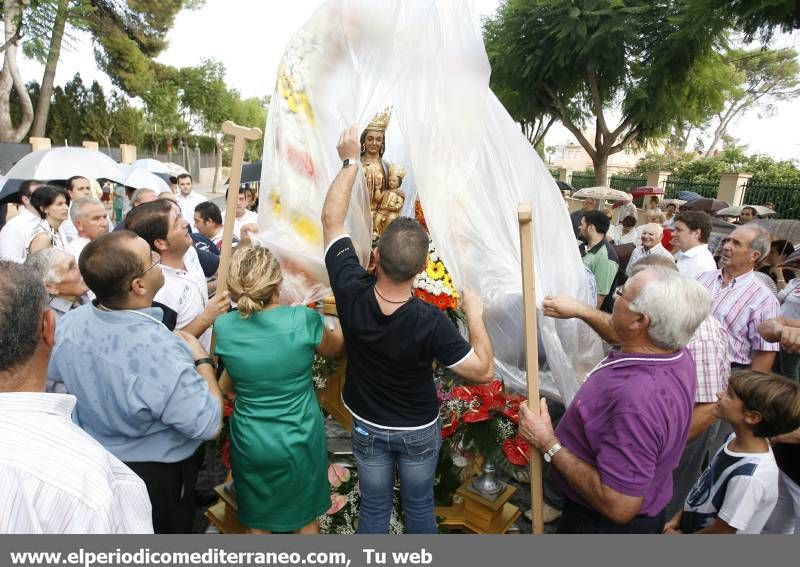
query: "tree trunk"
10, 77
600, 168
217, 165
46, 90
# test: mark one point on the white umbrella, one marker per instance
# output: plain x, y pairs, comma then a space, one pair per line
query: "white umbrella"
151, 165
174, 169
63, 163
140, 179
606, 193
735, 211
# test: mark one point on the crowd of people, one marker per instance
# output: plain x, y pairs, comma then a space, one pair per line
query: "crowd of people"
109, 385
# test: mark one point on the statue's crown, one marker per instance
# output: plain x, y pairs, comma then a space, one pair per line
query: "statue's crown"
381, 120
397, 170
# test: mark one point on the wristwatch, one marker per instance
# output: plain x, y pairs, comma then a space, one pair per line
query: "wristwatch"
551, 452
348, 162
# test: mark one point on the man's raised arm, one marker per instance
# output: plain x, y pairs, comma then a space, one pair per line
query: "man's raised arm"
337, 200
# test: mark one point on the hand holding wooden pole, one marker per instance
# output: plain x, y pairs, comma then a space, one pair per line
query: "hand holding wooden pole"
240, 136
525, 216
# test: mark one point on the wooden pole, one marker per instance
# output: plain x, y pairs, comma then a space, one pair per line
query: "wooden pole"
524, 216
240, 135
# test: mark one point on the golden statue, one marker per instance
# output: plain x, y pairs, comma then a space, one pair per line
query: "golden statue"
373, 144
391, 201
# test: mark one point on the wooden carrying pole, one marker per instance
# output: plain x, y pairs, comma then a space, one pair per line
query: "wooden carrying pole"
240, 136
524, 216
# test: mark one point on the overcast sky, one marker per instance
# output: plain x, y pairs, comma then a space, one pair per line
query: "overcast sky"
249, 36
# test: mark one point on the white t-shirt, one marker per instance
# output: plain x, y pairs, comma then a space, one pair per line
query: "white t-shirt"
15, 236
741, 489
187, 205
76, 246
186, 292
790, 299
249, 217
695, 261
616, 236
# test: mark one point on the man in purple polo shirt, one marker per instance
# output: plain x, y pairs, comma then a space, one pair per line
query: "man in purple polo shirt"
623, 434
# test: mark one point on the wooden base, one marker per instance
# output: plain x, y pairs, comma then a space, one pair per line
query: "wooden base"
480, 515
223, 514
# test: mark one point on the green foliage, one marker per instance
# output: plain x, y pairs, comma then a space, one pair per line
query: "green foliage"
753, 17
579, 59
733, 159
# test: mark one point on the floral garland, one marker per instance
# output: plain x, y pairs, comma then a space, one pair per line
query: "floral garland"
321, 368
342, 516
434, 285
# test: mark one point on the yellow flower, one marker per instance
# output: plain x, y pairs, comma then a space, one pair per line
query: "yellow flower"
435, 270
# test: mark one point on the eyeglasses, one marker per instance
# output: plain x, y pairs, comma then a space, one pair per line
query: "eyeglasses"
618, 293
156, 257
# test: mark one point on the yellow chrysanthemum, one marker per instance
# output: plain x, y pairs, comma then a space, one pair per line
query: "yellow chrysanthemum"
435, 270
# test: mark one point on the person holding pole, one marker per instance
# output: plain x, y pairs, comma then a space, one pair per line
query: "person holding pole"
391, 340
614, 450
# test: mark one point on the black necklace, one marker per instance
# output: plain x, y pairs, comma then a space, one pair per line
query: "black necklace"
389, 300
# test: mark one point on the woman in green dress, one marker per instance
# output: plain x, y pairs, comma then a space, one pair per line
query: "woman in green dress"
278, 451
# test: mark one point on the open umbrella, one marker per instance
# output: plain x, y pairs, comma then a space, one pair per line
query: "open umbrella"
139, 179
151, 165
704, 204
564, 186
781, 229
646, 190
735, 211
676, 202
59, 164
251, 173
605, 193
174, 170
689, 195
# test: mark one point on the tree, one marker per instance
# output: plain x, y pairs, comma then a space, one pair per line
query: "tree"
10, 77
98, 122
753, 17
761, 75
578, 60
128, 35
66, 112
708, 169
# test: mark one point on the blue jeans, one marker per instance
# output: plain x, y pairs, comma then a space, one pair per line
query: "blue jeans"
379, 453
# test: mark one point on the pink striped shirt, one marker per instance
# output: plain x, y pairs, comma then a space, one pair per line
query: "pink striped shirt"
741, 307
709, 348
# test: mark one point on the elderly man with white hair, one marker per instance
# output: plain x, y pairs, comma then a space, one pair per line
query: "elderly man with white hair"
59, 272
90, 219
615, 449
651, 234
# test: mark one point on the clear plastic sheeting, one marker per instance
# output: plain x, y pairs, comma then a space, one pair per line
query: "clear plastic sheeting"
466, 160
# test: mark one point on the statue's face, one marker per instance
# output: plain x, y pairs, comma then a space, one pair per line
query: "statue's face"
373, 142
394, 182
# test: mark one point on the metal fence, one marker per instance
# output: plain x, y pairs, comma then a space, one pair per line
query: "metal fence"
579, 181
785, 197
623, 183
704, 188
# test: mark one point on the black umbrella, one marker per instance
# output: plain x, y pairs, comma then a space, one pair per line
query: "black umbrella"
251, 173
8, 193
564, 186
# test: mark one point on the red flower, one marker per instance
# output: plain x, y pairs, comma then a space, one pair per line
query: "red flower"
476, 415
450, 428
516, 450
227, 408
465, 393
492, 395
511, 409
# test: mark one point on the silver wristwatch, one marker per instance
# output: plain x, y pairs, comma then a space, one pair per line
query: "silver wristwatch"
348, 162
551, 452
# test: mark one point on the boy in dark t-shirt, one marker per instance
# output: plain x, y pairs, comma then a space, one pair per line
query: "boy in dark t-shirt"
391, 339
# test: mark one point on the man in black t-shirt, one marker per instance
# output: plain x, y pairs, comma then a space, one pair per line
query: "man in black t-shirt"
391, 339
